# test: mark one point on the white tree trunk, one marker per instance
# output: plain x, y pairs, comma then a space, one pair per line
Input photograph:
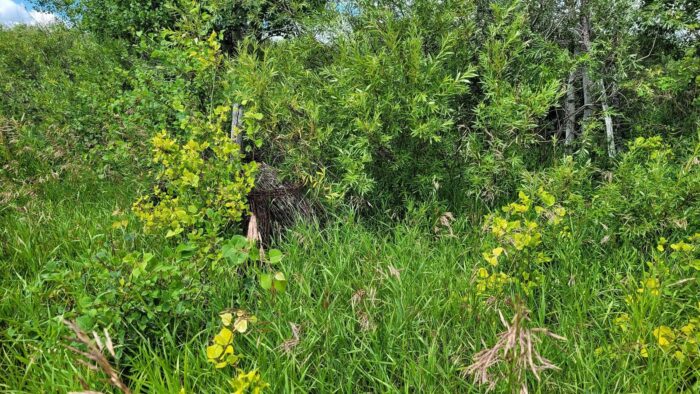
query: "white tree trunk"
570, 109
236, 115
609, 132
587, 110
585, 78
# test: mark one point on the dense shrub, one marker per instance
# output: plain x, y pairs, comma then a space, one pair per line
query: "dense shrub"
56, 89
384, 106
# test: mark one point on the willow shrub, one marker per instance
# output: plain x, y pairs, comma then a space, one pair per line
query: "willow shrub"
385, 104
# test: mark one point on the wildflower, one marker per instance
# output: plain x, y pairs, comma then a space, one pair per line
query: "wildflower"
679, 356
643, 351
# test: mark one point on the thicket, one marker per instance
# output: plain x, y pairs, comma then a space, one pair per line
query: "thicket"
56, 115
495, 176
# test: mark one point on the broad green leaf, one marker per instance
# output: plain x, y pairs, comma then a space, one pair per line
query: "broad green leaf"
186, 249
254, 254
233, 253
274, 256
266, 281
279, 282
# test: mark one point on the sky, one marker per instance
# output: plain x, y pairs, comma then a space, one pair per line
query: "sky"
13, 12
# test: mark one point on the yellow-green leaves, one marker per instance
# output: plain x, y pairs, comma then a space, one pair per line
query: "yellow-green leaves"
546, 198
664, 336
682, 247
248, 382
203, 181
650, 286
665, 305
238, 322
516, 249
220, 353
226, 318
492, 258
274, 256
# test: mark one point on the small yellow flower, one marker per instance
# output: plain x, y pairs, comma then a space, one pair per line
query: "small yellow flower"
652, 286
679, 356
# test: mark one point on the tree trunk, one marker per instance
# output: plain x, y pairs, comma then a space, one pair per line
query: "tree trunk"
587, 110
236, 133
570, 108
585, 78
609, 134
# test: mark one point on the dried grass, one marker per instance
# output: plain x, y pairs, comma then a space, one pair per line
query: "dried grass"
516, 348
289, 344
94, 358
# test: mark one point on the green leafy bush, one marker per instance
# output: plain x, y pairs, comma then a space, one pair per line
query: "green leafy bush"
56, 86
203, 180
401, 105
653, 192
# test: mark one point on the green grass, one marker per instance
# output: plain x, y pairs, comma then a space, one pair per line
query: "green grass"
363, 328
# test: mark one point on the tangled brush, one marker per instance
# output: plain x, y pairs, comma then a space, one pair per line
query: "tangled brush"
276, 205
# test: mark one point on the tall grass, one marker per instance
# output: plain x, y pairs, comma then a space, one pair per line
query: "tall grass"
385, 308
